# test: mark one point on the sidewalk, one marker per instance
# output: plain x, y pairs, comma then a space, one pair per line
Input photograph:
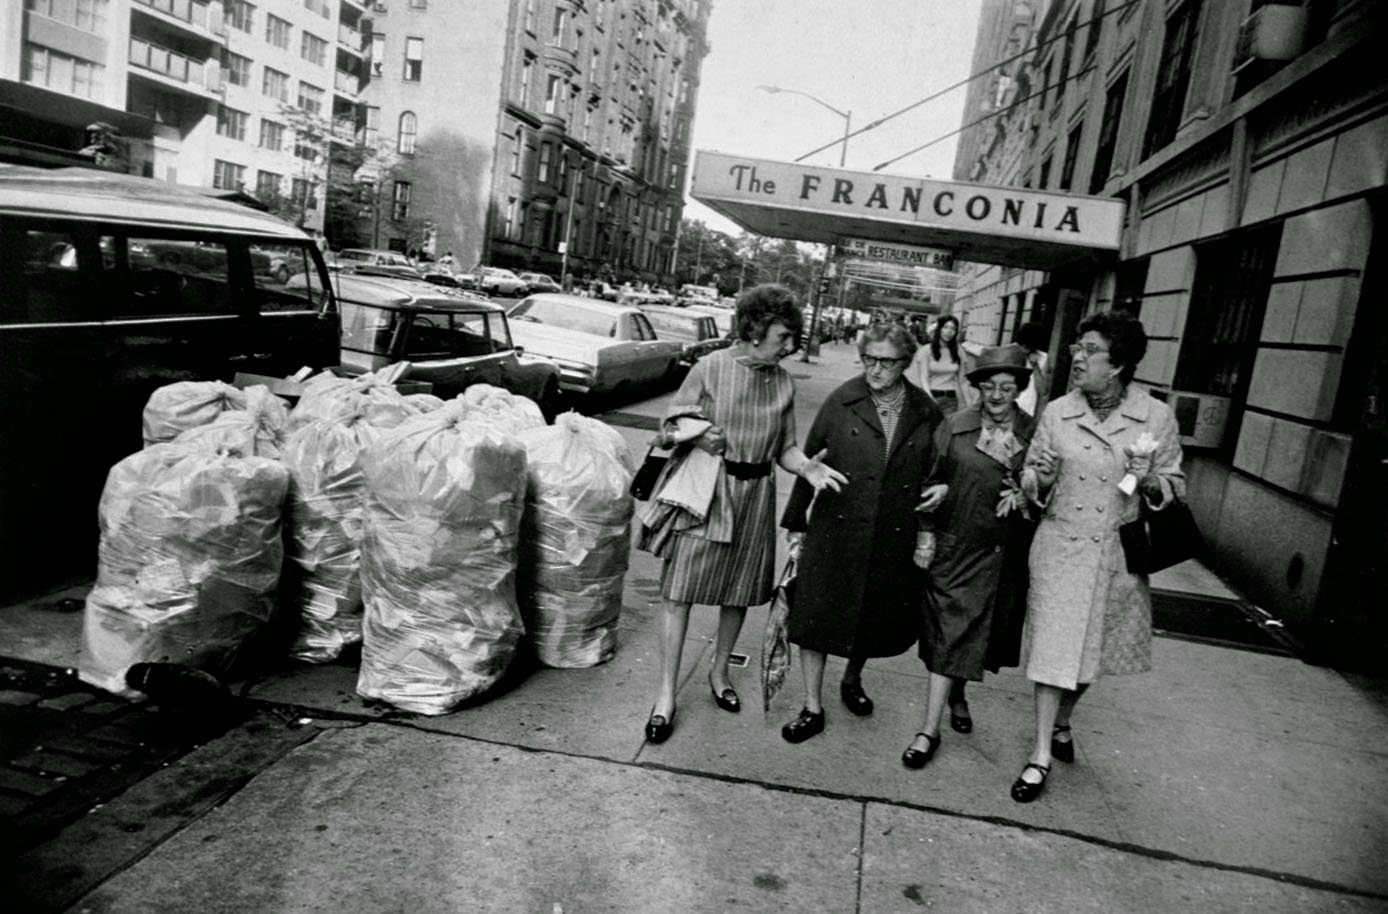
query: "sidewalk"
1225, 780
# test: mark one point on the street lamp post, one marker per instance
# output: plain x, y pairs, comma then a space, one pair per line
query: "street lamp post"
846, 115
843, 156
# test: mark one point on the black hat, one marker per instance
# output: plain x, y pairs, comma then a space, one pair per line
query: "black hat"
993, 359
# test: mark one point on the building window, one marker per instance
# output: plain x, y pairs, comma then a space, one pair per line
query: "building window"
527, 68
376, 53
1096, 25
227, 175
267, 186
60, 72
277, 31
91, 16
530, 15
1066, 50
414, 59
371, 131
409, 127
553, 89
593, 66
236, 69
306, 146
1044, 179
304, 193
231, 123
271, 135
400, 201
561, 22
313, 49
275, 84
563, 173
1173, 78
419, 4
516, 145
510, 217
237, 14
1072, 152
546, 160
1228, 301
1108, 133
310, 98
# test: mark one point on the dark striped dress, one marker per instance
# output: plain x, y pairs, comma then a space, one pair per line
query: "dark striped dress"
754, 406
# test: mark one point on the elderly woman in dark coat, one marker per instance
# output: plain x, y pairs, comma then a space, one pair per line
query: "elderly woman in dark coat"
857, 592
975, 588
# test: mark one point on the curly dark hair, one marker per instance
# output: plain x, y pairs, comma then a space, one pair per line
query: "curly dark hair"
952, 345
761, 306
1127, 341
1033, 336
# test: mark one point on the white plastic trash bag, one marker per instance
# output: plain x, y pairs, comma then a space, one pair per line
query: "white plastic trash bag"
576, 541
257, 430
444, 499
511, 412
189, 562
322, 587
175, 408
327, 396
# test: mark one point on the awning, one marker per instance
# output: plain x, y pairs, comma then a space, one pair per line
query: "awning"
68, 110
1012, 226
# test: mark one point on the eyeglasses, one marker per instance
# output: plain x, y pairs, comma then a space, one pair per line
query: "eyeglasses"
1008, 389
1087, 349
872, 361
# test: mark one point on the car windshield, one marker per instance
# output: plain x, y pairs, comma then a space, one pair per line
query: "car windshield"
561, 314
366, 328
675, 326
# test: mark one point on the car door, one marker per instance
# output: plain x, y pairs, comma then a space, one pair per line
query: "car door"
655, 356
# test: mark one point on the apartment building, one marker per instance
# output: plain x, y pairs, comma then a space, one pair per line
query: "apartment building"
1247, 139
231, 95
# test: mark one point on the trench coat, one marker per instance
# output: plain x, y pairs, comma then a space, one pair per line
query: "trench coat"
975, 590
857, 591
1086, 613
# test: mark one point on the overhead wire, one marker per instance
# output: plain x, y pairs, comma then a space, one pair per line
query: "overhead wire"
964, 82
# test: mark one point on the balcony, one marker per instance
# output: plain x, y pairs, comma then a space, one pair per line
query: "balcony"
344, 133
200, 20
350, 39
562, 59
345, 83
174, 70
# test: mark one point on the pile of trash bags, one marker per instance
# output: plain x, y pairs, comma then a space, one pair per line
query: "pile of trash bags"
363, 515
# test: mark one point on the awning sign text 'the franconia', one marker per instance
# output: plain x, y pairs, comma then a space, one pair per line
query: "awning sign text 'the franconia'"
740, 185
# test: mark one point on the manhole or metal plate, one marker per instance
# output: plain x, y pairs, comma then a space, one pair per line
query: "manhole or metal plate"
1225, 622
737, 660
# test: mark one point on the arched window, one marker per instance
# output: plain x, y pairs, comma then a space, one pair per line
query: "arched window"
409, 126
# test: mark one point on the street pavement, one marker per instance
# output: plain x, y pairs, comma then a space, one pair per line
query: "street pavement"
1227, 779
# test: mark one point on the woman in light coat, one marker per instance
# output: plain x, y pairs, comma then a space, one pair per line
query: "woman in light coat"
1086, 613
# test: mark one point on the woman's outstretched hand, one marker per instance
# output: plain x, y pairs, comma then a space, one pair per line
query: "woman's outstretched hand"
821, 475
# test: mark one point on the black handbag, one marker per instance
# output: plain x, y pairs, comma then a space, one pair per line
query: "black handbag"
643, 483
1160, 539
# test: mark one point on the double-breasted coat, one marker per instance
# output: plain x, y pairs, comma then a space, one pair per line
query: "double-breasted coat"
1086, 613
857, 592
975, 590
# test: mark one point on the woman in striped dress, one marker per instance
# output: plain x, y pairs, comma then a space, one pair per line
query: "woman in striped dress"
729, 561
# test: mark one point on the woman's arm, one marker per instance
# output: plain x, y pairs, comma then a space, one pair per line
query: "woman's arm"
1042, 465
794, 518
1165, 480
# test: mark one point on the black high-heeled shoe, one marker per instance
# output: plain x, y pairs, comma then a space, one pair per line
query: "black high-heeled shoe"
1023, 791
960, 723
659, 727
1062, 751
726, 699
917, 758
855, 699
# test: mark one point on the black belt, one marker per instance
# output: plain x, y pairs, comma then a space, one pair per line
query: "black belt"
739, 470
944, 393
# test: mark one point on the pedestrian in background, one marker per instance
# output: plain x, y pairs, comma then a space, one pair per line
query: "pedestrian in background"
975, 587
938, 369
1033, 338
1087, 614
729, 559
857, 593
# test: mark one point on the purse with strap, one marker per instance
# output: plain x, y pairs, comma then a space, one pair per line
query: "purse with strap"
1160, 539
643, 483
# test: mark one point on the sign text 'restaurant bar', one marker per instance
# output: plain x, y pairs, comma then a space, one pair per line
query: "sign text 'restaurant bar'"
903, 254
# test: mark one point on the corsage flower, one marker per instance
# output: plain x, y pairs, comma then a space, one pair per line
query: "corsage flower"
1011, 498
1139, 461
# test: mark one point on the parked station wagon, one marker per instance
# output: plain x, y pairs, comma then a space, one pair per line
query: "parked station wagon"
696, 330
450, 340
600, 347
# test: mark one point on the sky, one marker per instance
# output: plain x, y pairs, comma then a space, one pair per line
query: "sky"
866, 57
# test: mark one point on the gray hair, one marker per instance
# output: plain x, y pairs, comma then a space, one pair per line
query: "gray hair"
888, 332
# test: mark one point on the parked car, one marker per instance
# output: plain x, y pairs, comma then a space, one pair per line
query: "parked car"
496, 281
722, 317
599, 347
451, 340
696, 330
114, 286
370, 262
539, 282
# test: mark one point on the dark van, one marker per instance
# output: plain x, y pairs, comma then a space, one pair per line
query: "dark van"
111, 286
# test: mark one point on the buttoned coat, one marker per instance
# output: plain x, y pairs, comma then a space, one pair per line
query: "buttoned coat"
857, 592
1086, 613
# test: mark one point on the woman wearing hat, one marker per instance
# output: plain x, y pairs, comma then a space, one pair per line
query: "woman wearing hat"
976, 583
